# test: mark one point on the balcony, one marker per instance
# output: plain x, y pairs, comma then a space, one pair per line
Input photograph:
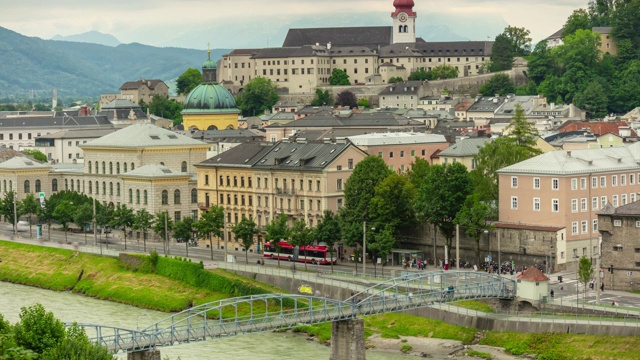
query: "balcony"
203, 206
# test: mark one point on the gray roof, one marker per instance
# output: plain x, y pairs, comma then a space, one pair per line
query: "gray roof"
485, 104
379, 119
298, 51
142, 135
67, 168
396, 138
350, 51
465, 147
78, 133
243, 155
155, 171
565, 162
228, 135
305, 156
54, 122
439, 49
370, 36
22, 163
120, 104
405, 87
508, 107
631, 209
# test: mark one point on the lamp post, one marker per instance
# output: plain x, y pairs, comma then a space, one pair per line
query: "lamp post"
138, 318
15, 214
95, 226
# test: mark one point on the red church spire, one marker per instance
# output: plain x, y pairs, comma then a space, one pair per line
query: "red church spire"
405, 6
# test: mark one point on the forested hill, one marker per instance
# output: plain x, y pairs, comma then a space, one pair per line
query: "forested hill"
82, 69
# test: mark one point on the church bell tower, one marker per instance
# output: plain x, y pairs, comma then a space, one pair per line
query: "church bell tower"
404, 22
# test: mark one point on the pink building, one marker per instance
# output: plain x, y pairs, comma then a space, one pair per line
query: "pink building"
566, 189
399, 149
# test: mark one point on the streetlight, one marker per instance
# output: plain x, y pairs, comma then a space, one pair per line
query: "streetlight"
138, 318
364, 248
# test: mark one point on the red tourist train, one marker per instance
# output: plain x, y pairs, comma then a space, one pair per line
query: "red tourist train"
315, 254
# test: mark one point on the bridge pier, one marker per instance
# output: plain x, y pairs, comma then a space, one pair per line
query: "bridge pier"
347, 340
144, 355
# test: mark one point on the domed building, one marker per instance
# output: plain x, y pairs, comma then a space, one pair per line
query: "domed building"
210, 106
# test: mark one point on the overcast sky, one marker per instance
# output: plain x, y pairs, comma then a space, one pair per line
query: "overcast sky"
249, 23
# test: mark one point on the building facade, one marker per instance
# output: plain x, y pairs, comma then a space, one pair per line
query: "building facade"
620, 229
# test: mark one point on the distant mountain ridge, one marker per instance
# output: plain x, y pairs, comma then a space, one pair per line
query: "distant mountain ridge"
91, 37
30, 65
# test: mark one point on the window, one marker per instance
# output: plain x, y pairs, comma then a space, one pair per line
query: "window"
110, 188
536, 183
583, 183
27, 187
104, 167
97, 188
536, 204
104, 187
514, 181
632, 179
145, 197
117, 189
317, 185
235, 181
350, 164
594, 203
117, 168
194, 196
632, 197
555, 184
623, 199
340, 204
250, 182
583, 226
339, 185
614, 180
318, 205
555, 205
614, 200
402, 153
89, 167
574, 228
617, 223
176, 196
110, 168
603, 202
391, 154
130, 196
183, 166
583, 204
514, 203
574, 205
623, 180
54, 186
594, 182
603, 181
125, 167
137, 196
165, 197
594, 225
574, 184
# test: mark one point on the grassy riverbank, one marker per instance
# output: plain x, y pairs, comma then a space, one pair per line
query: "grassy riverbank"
107, 279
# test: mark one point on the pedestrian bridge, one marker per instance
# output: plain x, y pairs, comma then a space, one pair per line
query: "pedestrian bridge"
260, 313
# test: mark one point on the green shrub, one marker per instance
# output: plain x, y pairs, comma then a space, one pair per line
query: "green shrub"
406, 348
517, 348
479, 354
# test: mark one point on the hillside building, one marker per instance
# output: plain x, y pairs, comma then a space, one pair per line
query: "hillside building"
136, 91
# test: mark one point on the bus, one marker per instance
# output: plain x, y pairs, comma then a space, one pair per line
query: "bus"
315, 254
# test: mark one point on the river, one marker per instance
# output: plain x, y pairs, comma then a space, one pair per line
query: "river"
70, 307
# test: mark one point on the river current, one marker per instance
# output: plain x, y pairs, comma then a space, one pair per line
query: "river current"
70, 307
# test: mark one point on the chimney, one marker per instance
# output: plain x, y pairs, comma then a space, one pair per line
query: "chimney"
329, 45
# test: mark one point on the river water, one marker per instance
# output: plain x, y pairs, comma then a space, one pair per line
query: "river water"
70, 307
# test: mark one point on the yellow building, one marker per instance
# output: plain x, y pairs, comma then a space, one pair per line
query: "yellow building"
209, 106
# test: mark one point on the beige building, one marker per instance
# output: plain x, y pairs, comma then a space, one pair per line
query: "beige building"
135, 91
402, 95
567, 189
64, 146
463, 151
261, 180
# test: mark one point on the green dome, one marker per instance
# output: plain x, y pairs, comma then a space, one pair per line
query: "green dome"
208, 64
209, 97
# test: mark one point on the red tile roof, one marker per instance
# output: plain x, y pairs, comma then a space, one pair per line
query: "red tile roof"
533, 274
597, 128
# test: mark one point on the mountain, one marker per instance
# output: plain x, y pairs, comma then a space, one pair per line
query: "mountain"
91, 37
31, 65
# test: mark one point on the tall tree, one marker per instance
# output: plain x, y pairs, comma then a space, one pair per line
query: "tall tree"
520, 40
339, 77
83, 215
29, 205
185, 229
322, 98
500, 84
122, 217
578, 20
392, 205
63, 214
474, 218
441, 197
594, 100
381, 244
257, 96
8, 209
162, 226
347, 98
142, 221
521, 130
501, 54
166, 108
38, 330
211, 224
418, 172
277, 230
585, 274
188, 80
301, 236
245, 230
328, 232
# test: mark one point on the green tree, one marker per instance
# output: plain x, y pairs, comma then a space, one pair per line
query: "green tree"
347, 99
392, 205
123, 217
420, 74
29, 206
185, 229
36, 154
578, 20
142, 221
418, 172
322, 98
501, 54
257, 96
82, 216
522, 131
594, 100
498, 84
520, 40
339, 77
76, 345
358, 192
301, 236
245, 230
578, 59
441, 197
7, 208
211, 224
395, 79
63, 214
277, 230
541, 63
474, 218
38, 330
444, 72
380, 244
328, 232
363, 103
626, 21
188, 80
41, 107
162, 226
585, 274
166, 108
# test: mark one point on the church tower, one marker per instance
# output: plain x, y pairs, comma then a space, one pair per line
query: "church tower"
404, 22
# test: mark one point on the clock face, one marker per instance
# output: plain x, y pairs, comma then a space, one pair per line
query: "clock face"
403, 17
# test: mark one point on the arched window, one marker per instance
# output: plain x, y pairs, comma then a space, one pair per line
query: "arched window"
183, 167
125, 167
5, 185
406, 28
117, 168
145, 197
110, 168
38, 186
104, 188
90, 186
78, 185
400, 28
176, 197
110, 188
133, 166
118, 189
89, 167
66, 184
97, 188
27, 187
165, 197
54, 185
104, 167
194, 196
10, 185
130, 196
96, 167
72, 185
138, 196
